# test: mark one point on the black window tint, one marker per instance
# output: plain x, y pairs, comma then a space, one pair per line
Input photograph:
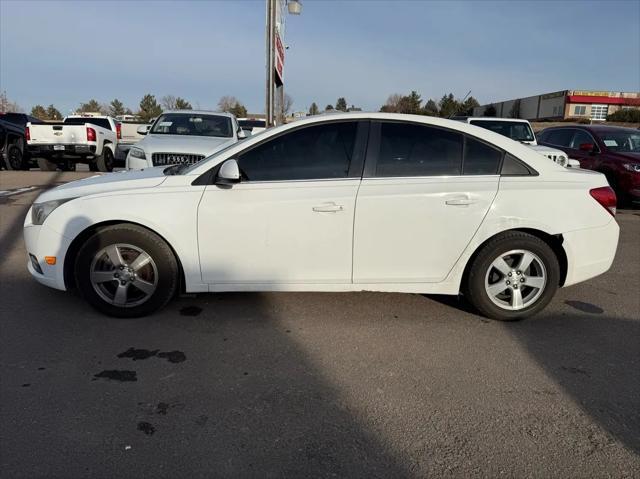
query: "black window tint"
543, 136
511, 166
480, 158
414, 150
103, 122
580, 137
316, 152
560, 137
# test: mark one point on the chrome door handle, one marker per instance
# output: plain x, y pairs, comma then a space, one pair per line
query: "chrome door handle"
460, 202
328, 208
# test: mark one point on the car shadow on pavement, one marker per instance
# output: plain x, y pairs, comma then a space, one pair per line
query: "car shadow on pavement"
12, 229
244, 399
595, 358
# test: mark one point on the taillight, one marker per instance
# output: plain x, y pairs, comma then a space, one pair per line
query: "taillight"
119, 130
91, 134
606, 197
27, 133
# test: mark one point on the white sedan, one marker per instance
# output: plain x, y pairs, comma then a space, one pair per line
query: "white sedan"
346, 202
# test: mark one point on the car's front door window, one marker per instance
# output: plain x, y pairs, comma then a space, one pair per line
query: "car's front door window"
316, 152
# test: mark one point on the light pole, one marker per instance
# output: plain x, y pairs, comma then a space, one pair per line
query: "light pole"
275, 53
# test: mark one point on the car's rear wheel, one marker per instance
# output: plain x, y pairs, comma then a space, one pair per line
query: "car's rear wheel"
47, 165
513, 276
14, 159
104, 162
126, 271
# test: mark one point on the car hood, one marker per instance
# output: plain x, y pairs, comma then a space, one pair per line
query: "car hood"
194, 145
545, 149
106, 183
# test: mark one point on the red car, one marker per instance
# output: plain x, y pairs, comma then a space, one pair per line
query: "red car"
611, 150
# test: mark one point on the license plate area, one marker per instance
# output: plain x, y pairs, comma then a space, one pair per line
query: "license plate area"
58, 147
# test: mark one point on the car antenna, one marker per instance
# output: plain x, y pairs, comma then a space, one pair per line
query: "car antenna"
463, 100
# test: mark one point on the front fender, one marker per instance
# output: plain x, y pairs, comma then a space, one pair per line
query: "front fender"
170, 214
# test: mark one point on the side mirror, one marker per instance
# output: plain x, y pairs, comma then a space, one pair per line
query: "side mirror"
241, 134
588, 147
229, 173
573, 163
143, 129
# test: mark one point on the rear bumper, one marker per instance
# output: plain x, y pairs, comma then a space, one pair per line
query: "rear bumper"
69, 149
590, 252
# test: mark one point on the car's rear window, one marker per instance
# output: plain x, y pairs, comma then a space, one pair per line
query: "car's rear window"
102, 122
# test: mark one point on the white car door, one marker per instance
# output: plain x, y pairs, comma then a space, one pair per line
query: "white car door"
419, 203
290, 219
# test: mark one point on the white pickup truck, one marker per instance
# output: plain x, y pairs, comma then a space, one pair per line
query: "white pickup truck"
77, 139
520, 130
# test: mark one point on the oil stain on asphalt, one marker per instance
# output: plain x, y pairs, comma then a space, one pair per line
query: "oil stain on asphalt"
140, 354
116, 375
146, 427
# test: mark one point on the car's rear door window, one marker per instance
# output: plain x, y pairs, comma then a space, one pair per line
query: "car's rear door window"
560, 137
416, 150
316, 152
480, 158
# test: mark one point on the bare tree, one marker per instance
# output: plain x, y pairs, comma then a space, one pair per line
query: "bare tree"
168, 102
6, 105
392, 104
227, 103
287, 105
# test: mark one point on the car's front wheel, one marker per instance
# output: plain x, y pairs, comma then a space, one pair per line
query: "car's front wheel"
513, 276
126, 271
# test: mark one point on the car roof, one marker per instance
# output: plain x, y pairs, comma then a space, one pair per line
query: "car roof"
200, 112
594, 128
491, 118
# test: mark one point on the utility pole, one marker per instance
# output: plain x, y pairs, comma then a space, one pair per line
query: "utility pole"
275, 53
271, 20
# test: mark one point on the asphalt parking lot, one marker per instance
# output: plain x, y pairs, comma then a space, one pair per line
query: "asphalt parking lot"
316, 384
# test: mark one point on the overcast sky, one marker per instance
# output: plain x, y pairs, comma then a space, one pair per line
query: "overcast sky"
66, 52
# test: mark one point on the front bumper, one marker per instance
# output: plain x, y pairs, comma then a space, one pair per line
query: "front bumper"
590, 252
41, 241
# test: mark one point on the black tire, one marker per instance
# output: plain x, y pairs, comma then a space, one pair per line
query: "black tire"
14, 159
68, 165
47, 165
92, 165
105, 161
474, 285
163, 258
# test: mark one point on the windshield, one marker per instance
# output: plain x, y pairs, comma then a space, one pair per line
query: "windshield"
516, 130
623, 141
193, 124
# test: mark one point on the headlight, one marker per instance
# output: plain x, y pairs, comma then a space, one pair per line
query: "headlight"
562, 160
632, 167
40, 211
137, 153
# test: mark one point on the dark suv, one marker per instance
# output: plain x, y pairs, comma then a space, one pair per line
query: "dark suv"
612, 150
